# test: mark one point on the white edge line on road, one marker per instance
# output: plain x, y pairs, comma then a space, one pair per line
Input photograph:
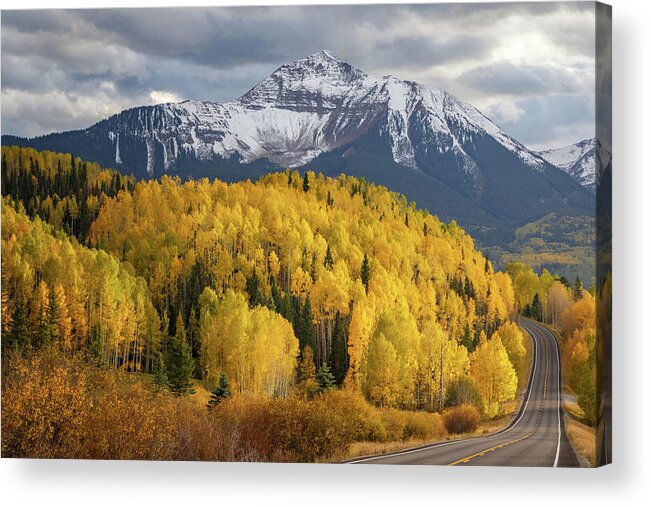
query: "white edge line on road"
558, 399
443, 444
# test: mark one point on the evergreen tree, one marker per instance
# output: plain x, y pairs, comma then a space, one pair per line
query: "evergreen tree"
179, 332
96, 345
313, 272
365, 273
19, 333
253, 290
577, 291
469, 289
536, 308
468, 339
43, 331
328, 262
222, 391
181, 366
160, 378
324, 379
306, 182
271, 304
307, 326
53, 315
338, 359
194, 335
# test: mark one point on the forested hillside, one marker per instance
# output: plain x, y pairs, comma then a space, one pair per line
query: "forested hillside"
290, 286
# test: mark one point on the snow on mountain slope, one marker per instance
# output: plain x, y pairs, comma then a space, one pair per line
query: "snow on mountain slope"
579, 160
304, 109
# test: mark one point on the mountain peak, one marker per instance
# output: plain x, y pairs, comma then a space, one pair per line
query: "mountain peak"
582, 160
323, 54
299, 82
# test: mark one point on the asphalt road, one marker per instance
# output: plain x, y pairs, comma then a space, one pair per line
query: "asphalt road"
535, 437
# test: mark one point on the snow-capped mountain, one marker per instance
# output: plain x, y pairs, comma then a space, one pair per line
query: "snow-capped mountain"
321, 113
580, 160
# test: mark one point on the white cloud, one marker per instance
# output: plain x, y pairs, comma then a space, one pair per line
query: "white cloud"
161, 97
491, 55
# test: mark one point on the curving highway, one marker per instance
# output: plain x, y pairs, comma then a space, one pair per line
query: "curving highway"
535, 437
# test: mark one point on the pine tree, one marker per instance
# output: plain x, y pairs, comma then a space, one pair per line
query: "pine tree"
338, 360
43, 331
194, 335
468, 339
307, 326
222, 391
53, 315
19, 333
313, 272
179, 332
365, 273
324, 379
577, 291
306, 182
160, 378
181, 362
253, 290
328, 262
536, 308
271, 304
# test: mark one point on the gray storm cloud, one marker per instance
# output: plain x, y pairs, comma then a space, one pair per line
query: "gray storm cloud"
528, 66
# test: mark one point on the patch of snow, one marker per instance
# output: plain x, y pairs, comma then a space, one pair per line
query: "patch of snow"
118, 160
581, 160
150, 156
310, 107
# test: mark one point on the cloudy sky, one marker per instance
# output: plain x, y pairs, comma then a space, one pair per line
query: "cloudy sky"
530, 67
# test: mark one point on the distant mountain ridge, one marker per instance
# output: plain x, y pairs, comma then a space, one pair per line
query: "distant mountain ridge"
320, 113
580, 160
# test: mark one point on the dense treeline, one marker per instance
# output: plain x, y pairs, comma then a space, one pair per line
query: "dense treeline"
58, 293
570, 309
377, 289
288, 287
61, 189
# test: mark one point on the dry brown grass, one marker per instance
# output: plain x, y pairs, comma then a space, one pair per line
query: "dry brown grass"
358, 449
572, 408
583, 439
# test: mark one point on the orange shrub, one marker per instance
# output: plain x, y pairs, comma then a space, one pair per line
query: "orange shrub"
462, 419
423, 426
57, 407
402, 425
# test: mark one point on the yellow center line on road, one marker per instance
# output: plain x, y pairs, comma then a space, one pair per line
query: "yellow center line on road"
515, 440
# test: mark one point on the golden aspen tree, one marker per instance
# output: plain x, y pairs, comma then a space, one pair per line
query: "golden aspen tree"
513, 340
494, 374
381, 382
